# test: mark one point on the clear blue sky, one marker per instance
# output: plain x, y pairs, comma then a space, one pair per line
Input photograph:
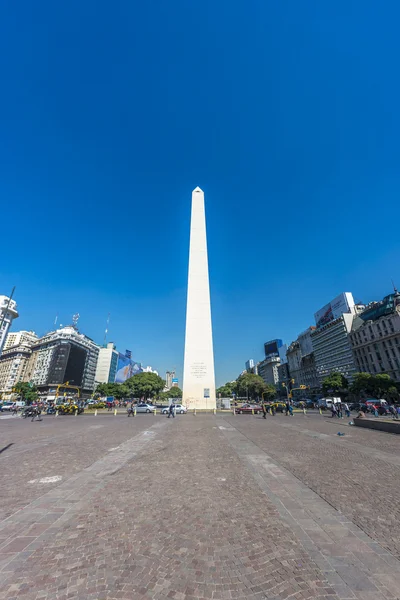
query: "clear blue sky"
285, 113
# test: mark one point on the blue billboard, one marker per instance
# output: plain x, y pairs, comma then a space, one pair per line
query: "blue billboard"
126, 368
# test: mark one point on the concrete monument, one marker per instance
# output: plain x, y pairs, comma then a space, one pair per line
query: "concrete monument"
198, 370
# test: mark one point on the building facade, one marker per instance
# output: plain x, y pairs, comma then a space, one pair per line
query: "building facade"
64, 355
8, 312
107, 363
169, 376
375, 338
294, 357
15, 367
268, 370
332, 348
18, 338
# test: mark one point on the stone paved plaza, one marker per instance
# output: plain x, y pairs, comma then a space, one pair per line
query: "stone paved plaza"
200, 507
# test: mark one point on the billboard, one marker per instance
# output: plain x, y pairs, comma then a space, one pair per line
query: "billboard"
126, 368
272, 348
343, 303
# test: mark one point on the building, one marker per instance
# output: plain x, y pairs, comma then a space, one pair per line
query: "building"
249, 365
126, 367
330, 339
268, 369
64, 355
198, 368
149, 370
294, 362
107, 364
20, 338
8, 312
168, 379
14, 368
375, 337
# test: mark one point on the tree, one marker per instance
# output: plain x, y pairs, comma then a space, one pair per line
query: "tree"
27, 391
362, 384
226, 391
144, 385
335, 382
174, 392
377, 386
250, 386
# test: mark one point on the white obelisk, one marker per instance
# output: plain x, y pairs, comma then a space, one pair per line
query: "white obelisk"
198, 370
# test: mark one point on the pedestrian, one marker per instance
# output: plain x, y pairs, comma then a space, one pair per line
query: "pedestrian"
14, 409
347, 409
398, 411
393, 411
290, 410
333, 410
339, 410
375, 411
264, 410
171, 411
287, 407
273, 411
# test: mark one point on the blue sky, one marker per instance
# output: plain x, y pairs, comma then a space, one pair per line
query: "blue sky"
285, 113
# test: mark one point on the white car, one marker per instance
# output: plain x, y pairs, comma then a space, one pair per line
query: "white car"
179, 408
143, 407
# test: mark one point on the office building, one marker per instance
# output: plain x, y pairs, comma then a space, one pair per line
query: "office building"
107, 364
20, 338
375, 337
301, 359
64, 355
8, 312
268, 369
169, 376
14, 368
250, 366
330, 339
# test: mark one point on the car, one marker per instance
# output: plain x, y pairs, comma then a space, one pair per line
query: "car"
279, 406
7, 405
248, 409
144, 407
179, 409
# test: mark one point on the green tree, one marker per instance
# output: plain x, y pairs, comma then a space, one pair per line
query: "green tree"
226, 390
174, 392
144, 385
362, 384
27, 391
250, 386
378, 386
335, 382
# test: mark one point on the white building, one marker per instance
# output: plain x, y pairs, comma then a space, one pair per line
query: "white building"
8, 312
14, 368
17, 338
375, 338
268, 369
149, 370
107, 364
330, 340
169, 376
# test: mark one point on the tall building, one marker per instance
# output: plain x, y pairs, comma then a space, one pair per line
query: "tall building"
15, 365
8, 312
17, 338
107, 364
250, 366
375, 337
268, 369
169, 375
330, 339
198, 371
64, 355
301, 359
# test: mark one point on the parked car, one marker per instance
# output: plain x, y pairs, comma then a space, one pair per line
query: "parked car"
247, 409
179, 409
7, 405
144, 407
279, 406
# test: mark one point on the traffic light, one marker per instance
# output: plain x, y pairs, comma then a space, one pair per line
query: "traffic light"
303, 387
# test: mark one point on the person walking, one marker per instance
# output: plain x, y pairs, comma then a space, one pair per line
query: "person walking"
264, 410
398, 412
347, 409
333, 410
287, 407
14, 409
171, 411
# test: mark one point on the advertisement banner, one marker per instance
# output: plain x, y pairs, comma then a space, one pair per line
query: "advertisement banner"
343, 303
126, 368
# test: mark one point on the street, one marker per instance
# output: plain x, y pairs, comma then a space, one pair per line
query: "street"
198, 507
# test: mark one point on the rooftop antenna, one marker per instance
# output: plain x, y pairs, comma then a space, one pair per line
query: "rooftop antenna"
75, 319
394, 287
106, 330
55, 320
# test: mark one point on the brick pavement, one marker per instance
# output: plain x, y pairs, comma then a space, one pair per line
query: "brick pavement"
182, 509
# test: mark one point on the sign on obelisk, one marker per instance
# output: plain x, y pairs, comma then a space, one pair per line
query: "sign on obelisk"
198, 370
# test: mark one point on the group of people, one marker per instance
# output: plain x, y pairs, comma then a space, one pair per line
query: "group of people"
337, 409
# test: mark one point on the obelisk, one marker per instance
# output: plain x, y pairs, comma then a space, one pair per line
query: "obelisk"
198, 370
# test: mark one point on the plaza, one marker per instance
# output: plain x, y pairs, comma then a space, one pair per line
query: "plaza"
198, 507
